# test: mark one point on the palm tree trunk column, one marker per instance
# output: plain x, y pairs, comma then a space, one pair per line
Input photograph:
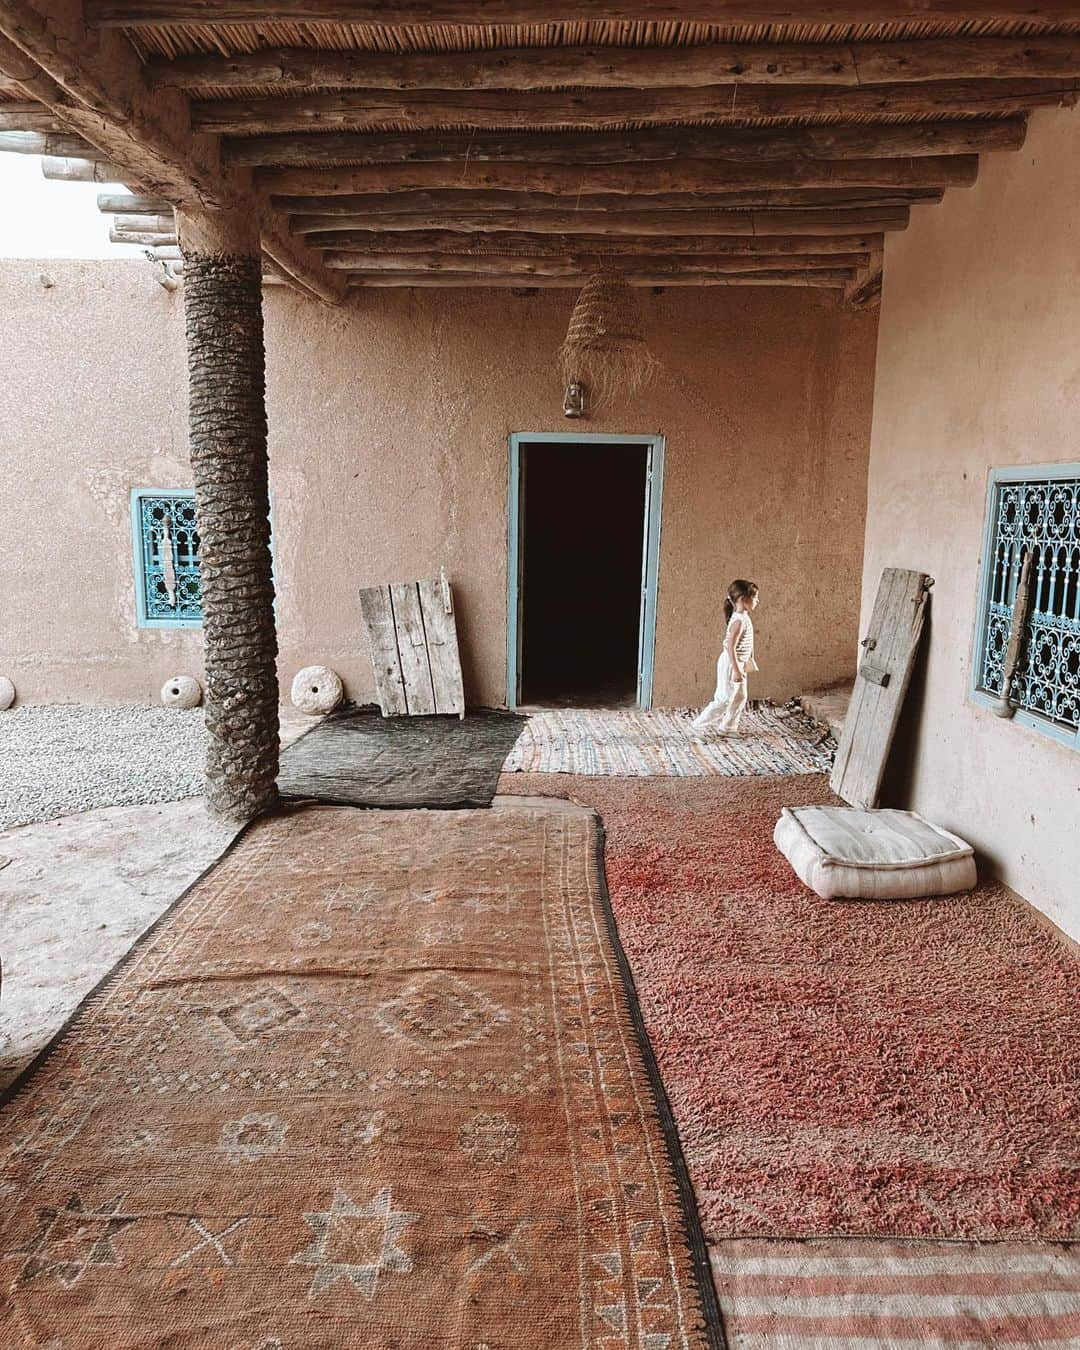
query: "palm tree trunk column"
227, 431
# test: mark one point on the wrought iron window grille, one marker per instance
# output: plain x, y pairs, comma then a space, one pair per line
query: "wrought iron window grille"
1033, 510
165, 537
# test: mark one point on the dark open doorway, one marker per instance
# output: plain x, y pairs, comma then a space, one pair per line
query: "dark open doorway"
582, 540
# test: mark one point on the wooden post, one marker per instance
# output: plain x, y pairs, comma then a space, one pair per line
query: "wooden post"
227, 410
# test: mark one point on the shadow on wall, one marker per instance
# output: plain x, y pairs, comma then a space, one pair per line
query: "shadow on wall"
468, 648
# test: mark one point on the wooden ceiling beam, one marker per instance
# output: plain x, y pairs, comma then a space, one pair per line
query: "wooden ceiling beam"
638, 179
45, 143
825, 280
76, 170
95, 85
404, 203
823, 65
574, 264
142, 237
317, 229
156, 13
864, 289
560, 246
28, 115
132, 203
613, 109
608, 147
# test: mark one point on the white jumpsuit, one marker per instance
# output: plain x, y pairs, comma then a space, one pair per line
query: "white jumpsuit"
726, 709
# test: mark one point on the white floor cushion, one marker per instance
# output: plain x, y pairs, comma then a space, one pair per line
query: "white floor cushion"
840, 852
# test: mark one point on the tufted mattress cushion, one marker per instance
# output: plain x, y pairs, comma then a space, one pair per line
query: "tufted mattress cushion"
840, 852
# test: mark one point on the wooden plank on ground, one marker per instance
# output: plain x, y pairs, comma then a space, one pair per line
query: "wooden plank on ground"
437, 607
887, 660
412, 649
378, 616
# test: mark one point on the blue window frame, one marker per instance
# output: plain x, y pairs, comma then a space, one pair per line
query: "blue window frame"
1037, 510
165, 538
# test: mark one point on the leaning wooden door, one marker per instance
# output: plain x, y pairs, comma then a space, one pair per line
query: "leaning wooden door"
414, 647
884, 673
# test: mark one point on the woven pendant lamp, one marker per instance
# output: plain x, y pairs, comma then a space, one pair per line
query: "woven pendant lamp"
605, 347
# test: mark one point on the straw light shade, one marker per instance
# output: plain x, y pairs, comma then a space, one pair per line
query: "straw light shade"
605, 347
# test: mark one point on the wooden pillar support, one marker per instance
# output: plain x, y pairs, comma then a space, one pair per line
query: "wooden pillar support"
227, 409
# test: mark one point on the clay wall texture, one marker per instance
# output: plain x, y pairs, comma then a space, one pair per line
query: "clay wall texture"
978, 367
388, 443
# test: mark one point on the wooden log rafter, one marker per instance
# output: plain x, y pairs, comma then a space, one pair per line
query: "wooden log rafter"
398, 203
63, 144
143, 237
132, 204
644, 178
608, 147
562, 246
808, 65
864, 289
613, 109
657, 223
572, 265
154, 13
825, 280
28, 115
76, 170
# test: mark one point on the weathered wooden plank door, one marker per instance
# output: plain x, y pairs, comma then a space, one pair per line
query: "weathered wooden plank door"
414, 647
378, 616
889, 651
437, 608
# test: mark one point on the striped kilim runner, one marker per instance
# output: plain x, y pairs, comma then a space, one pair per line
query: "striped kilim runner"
630, 744
859, 1295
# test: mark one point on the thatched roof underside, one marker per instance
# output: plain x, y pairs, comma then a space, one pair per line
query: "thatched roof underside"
525, 154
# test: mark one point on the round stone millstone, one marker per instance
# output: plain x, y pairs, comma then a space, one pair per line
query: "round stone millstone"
7, 693
182, 691
317, 689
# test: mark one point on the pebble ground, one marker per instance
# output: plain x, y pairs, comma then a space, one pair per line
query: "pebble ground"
56, 760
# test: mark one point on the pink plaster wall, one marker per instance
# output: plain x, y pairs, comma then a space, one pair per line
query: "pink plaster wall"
979, 367
389, 423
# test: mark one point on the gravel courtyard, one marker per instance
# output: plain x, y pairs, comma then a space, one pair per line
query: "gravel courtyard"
59, 759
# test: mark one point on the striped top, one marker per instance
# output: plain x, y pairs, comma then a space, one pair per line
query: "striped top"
744, 644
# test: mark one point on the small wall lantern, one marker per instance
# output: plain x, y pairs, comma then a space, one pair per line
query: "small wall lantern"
574, 400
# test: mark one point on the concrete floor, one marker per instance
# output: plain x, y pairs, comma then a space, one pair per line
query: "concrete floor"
829, 706
77, 892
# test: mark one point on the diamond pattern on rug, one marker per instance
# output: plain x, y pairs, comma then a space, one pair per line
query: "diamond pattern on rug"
622, 743
245, 1138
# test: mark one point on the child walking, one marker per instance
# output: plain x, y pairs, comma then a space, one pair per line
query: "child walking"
723, 714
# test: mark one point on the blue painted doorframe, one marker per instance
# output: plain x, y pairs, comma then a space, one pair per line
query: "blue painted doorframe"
650, 560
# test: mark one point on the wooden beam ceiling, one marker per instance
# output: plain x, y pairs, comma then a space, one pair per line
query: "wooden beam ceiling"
464, 160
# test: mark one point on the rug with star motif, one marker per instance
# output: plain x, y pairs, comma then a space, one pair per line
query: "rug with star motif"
378, 1079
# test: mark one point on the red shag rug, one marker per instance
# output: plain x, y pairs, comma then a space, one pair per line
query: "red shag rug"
881, 1068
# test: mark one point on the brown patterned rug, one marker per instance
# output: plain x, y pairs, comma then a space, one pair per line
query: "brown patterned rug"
377, 1080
